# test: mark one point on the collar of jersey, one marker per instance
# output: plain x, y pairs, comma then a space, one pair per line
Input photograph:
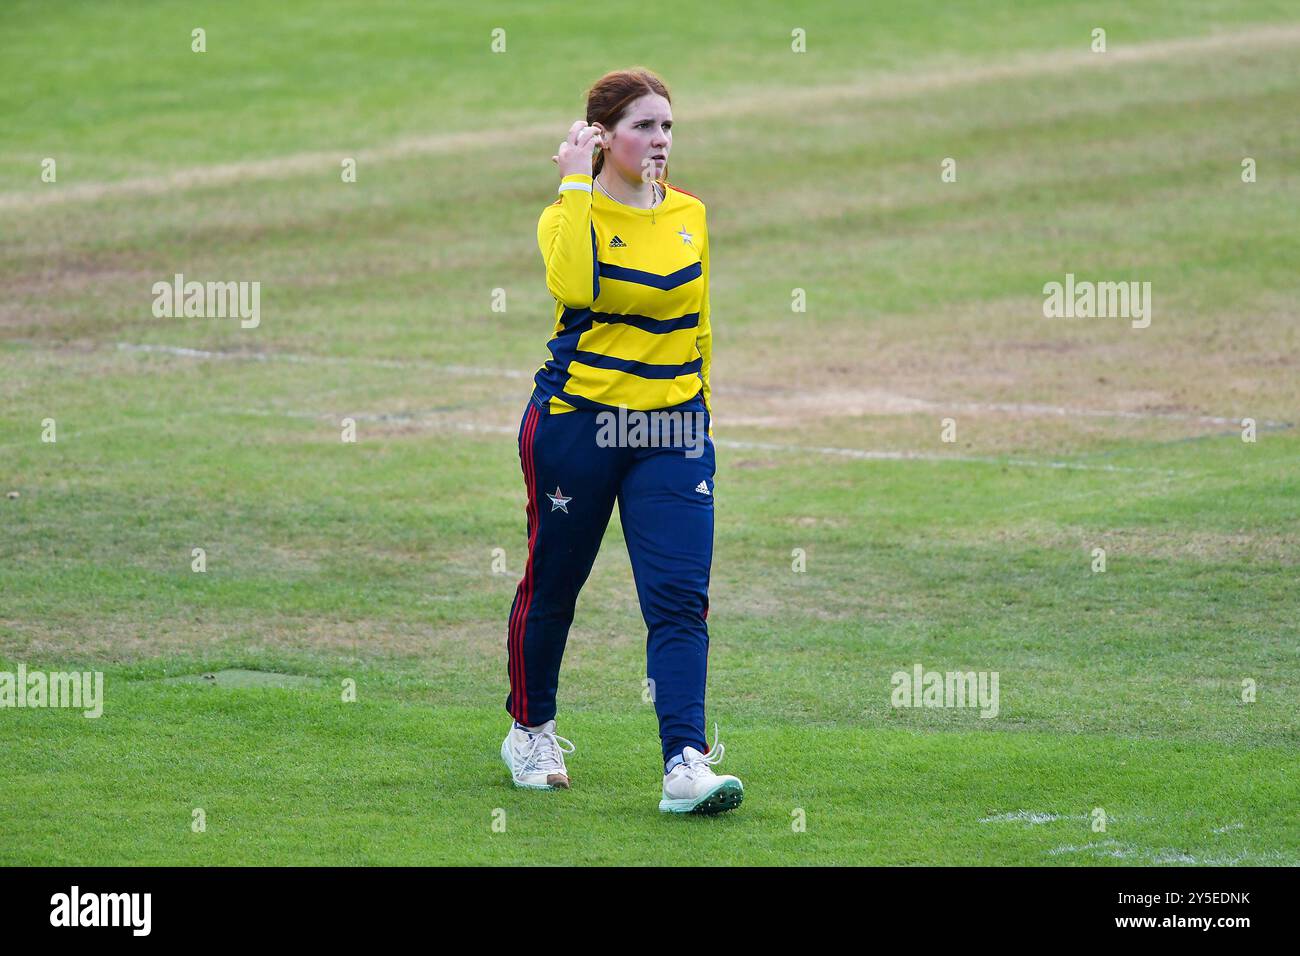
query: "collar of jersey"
607, 203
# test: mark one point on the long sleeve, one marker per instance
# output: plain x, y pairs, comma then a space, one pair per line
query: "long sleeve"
568, 245
704, 338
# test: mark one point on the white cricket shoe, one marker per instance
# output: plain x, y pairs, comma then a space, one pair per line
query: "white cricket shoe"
693, 787
536, 760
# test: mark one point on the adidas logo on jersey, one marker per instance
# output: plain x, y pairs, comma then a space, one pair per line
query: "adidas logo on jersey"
617, 243
703, 488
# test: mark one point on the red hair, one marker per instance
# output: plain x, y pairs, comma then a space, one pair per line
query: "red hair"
610, 97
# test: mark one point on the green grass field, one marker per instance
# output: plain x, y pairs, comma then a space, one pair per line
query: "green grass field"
373, 562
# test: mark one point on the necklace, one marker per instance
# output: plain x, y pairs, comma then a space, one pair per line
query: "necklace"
654, 188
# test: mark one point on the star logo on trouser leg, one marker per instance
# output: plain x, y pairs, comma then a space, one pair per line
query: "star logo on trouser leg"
559, 501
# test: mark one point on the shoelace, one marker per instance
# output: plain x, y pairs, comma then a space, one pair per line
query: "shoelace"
543, 753
706, 762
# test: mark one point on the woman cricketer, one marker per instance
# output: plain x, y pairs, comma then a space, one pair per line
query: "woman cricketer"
627, 260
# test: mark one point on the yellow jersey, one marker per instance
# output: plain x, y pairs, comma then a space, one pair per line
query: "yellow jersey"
631, 290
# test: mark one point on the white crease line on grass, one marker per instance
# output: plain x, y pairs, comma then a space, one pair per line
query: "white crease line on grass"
864, 89
1122, 851
429, 420
1023, 408
1026, 816
1154, 485
321, 360
1032, 408
432, 421
930, 456
1163, 856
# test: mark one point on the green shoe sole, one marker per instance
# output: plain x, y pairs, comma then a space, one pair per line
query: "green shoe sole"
727, 796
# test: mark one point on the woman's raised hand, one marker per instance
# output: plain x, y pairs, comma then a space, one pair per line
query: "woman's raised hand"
578, 151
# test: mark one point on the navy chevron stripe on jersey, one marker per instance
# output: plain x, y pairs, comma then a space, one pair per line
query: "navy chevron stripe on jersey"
571, 317
647, 324
642, 369
564, 344
652, 279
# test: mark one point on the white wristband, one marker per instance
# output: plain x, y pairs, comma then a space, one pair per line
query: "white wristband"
585, 187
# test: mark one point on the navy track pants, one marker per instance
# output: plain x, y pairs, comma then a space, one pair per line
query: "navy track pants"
665, 504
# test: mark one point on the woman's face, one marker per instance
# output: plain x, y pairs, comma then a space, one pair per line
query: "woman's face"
644, 133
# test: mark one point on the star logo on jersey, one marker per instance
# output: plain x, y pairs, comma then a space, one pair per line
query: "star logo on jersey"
558, 501
687, 238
